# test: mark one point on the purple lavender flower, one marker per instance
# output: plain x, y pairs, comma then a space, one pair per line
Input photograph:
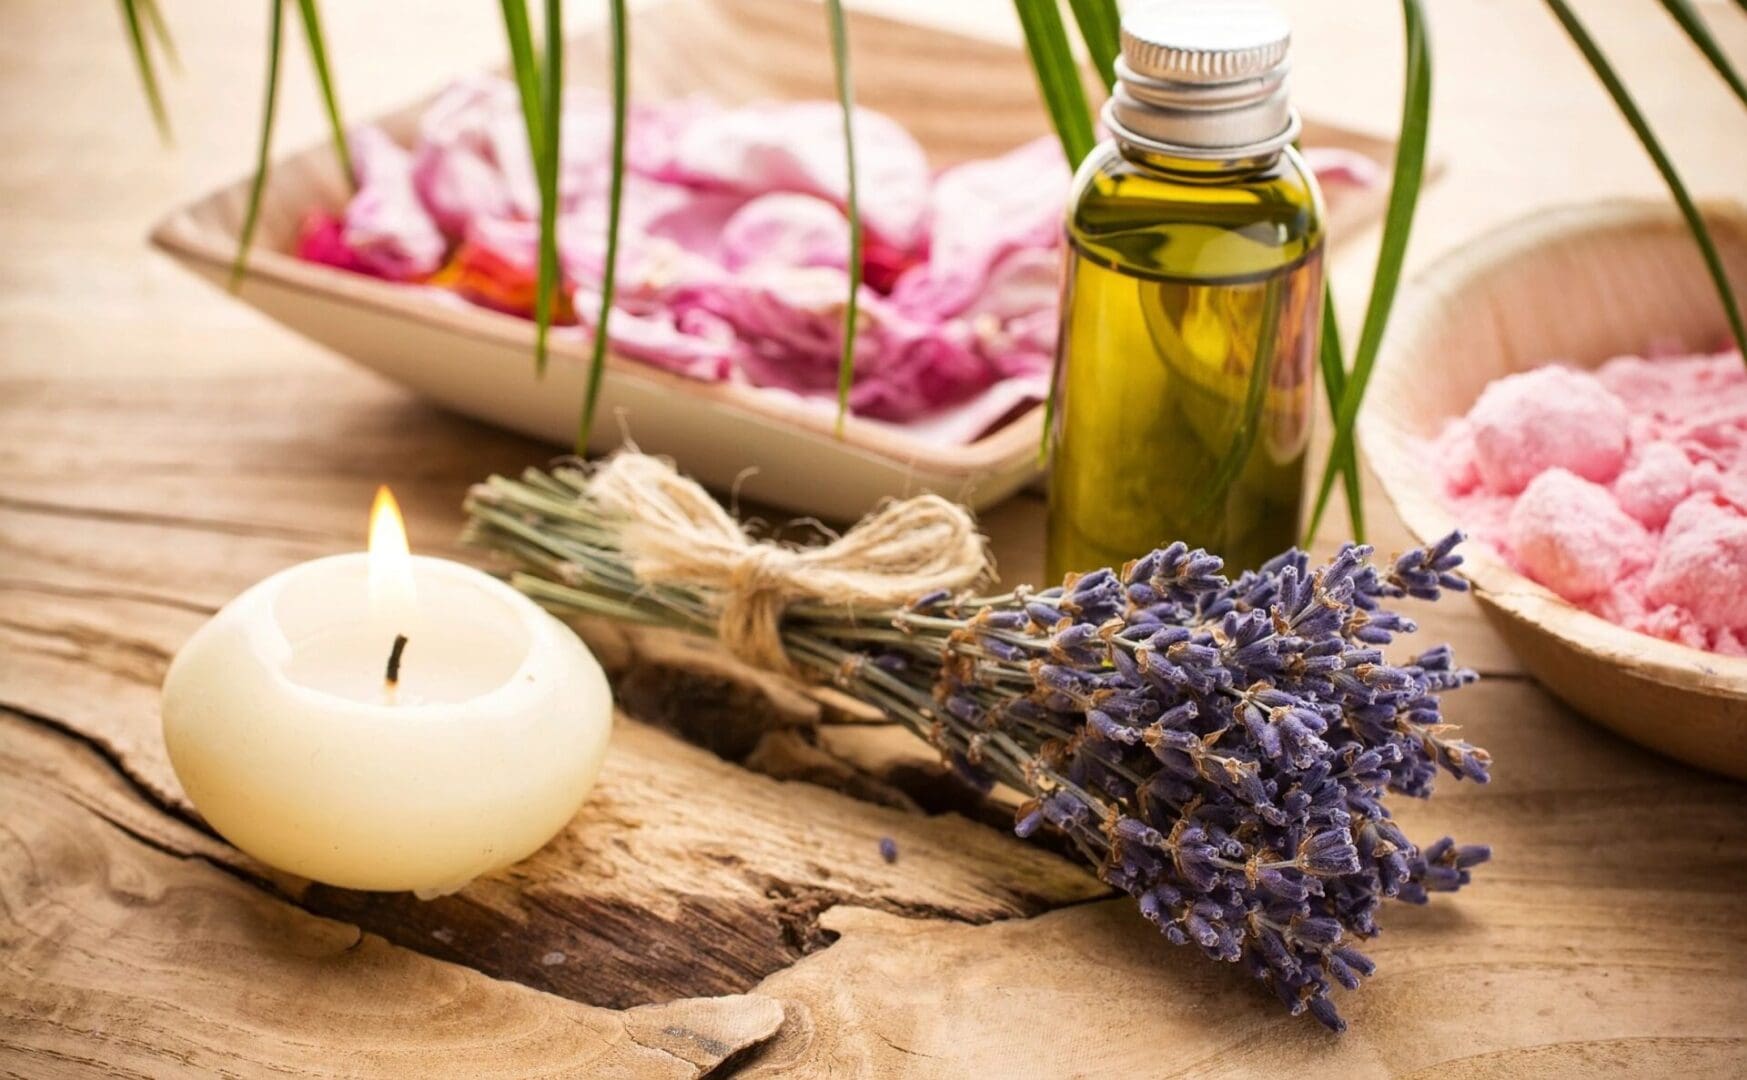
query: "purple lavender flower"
1221, 750
1224, 751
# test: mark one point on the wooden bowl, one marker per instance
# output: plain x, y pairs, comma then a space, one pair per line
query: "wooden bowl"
1580, 285
963, 98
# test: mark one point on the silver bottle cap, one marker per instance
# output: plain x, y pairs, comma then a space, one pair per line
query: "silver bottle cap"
1203, 79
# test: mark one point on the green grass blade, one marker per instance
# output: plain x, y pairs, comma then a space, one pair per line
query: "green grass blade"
1334, 384
324, 76
154, 19
525, 69
142, 57
1410, 154
621, 94
252, 215
1058, 76
1693, 23
546, 171
1064, 97
846, 101
1101, 29
1695, 221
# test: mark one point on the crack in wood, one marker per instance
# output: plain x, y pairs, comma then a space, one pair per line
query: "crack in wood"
116, 763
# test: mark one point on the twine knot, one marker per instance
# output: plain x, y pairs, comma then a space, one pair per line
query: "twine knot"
675, 533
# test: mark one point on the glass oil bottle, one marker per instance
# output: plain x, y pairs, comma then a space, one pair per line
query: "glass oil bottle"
1192, 301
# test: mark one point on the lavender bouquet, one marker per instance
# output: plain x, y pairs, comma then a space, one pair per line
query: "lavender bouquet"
1221, 750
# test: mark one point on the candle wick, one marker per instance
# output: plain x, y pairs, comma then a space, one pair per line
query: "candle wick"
393, 674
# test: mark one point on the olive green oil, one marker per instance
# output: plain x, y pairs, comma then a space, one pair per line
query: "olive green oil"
1191, 314
1192, 301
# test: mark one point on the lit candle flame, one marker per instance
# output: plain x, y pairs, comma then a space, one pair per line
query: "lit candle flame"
393, 597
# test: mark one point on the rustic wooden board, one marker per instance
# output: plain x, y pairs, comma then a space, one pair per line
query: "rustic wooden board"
720, 906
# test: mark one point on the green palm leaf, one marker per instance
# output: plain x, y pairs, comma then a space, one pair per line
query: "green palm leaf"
621, 90
1101, 29
161, 30
525, 69
252, 215
546, 172
1064, 97
845, 100
1610, 79
1058, 76
1410, 153
318, 55
1693, 23
142, 57
1334, 384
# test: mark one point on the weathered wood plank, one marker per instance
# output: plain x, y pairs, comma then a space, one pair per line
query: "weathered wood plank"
164, 447
1607, 935
119, 957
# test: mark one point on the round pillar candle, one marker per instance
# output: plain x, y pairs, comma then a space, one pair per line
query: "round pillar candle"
302, 744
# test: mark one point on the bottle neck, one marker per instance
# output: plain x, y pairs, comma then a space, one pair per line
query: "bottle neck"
1197, 170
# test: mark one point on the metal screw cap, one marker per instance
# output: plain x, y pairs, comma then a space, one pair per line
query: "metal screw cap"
1205, 41
1204, 79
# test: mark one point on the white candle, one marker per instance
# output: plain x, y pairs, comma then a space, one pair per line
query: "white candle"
286, 735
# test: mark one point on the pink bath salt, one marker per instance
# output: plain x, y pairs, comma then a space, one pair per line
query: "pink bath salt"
1702, 565
1551, 417
1654, 484
1674, 392
1571, 536
1670, 622
1455, 448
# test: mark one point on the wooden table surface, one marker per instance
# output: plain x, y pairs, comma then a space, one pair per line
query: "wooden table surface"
720, 906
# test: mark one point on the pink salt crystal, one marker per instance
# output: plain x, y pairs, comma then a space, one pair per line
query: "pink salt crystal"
1655, 482
1455, 448
1702, 566
1571, 536
1551, 417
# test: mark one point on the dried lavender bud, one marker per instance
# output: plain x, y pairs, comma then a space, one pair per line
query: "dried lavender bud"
1221, 750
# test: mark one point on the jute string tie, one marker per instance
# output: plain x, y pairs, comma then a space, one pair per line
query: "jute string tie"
675, 533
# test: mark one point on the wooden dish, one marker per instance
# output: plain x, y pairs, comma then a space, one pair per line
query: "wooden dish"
962, 97
1580, 285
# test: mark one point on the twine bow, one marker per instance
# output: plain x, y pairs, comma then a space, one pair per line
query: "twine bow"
675, 532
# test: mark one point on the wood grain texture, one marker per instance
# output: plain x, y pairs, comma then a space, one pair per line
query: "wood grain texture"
1608, 933
135, 957
162, 447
